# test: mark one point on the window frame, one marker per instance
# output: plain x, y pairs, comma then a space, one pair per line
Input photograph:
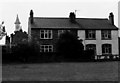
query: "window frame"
106, 49
47, 34
90, 34
106, 35
46, 48
91, 47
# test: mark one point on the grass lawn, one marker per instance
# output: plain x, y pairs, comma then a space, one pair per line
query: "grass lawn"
93, 71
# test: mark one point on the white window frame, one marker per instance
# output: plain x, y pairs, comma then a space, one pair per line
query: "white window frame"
105, 34
46, 48
46, 32
90, 34
107, 49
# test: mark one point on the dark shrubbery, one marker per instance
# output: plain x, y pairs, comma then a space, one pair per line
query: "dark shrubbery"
21, 53
88, 55
27, 53
69, 48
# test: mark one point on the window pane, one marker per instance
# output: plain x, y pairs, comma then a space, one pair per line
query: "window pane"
109, 36
41, 48
94, 35
45, 31
46, 50
90, 34
86, 34
106, 48
110, 50
46, 35
103, 50
41, 31
42, 36
50, 35
50, 48
46, 46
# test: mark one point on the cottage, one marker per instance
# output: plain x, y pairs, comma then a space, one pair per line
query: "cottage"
99, 34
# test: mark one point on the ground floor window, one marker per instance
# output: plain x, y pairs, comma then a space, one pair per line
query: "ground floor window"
91, 47
106, 49
46, 48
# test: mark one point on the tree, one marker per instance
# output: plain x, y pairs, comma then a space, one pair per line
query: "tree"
2, 30
69, 47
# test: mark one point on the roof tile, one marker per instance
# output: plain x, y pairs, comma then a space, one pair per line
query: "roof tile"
81, 23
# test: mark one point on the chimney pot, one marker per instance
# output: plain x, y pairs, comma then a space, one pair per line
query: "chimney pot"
111, 18
72, 17
31, 16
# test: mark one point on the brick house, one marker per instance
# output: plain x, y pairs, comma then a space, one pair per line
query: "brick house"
99, 34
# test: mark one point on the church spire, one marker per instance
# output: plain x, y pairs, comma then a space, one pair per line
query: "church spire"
17, 20
17, 24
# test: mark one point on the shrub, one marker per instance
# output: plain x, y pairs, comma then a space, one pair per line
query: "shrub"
69, 47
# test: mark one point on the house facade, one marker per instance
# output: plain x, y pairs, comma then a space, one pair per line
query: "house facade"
99, 34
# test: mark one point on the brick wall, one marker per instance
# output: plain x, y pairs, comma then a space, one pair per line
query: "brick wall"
35, 33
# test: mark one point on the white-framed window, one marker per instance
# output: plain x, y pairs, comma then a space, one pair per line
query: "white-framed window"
46, 48
46, 34
106, 49
106, 34
90, 34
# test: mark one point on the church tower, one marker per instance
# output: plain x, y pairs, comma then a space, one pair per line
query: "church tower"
17, 24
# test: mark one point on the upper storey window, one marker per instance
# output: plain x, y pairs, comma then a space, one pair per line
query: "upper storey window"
106, 34
45, 34
90, 34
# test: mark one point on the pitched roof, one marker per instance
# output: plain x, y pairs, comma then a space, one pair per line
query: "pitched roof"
81, 23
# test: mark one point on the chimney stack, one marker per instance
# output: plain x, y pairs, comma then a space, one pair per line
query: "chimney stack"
31, 17
72, 17
111, 18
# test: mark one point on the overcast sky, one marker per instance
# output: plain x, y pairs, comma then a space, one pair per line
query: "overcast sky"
54, 8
